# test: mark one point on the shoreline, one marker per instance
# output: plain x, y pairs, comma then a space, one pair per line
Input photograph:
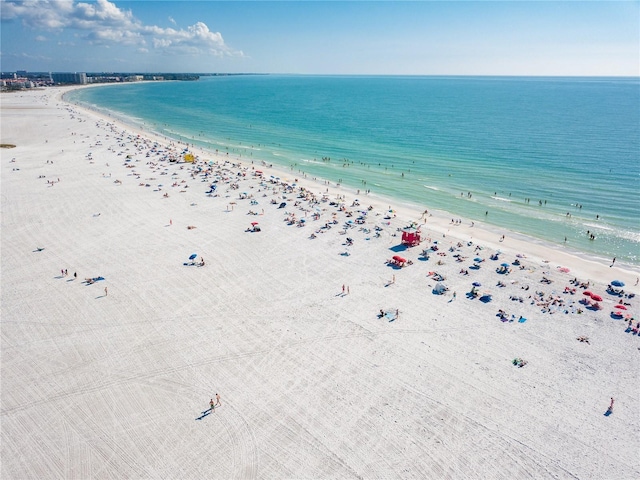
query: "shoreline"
330, 361
411, 210
616, 236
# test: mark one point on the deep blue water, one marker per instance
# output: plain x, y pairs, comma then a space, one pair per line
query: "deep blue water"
464, 145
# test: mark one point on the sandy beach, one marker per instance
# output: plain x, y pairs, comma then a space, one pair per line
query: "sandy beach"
329, 360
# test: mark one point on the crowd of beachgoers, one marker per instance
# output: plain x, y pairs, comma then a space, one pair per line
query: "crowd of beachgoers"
162, 168
350, 335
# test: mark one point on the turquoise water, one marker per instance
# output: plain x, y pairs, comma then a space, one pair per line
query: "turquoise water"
515, 152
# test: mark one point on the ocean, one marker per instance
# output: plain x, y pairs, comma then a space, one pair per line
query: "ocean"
552, 158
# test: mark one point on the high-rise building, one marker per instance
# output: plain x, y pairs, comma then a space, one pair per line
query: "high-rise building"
70, 78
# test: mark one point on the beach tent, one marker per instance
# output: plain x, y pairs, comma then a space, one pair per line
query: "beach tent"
399, 260
439, 289
410, 236
189, 157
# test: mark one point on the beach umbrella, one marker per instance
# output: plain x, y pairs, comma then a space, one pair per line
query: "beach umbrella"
504, 264
597, 298
621, 307
439, 289
193, 256
587, 292
476, 284
254, 223
564, 270
617, 283
477, 259
486, 297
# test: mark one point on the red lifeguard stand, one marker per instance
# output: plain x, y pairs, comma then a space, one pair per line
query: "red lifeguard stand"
411, 236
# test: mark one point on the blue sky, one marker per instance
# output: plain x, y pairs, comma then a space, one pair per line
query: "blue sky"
332, 37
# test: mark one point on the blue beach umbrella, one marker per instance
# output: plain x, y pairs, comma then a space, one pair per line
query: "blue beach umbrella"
476, 284
193, 256
617, 283
504, 264
477, 259
486, 298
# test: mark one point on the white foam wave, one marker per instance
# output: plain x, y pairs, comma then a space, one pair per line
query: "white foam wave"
307, 160
595, 225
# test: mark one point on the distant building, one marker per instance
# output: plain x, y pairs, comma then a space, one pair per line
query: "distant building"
16, 84
70, 78
134, 78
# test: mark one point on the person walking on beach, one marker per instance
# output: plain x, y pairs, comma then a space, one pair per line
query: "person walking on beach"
610, 409
106, 292
212, 405
613, 262
218, 400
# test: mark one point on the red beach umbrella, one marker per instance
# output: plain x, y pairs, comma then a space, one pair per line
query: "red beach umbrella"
621, 307
597, 298
587, 292
254, 223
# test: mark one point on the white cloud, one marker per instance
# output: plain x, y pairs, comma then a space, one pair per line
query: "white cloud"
103, 23
40, 38
195, 39
172, 20
109, 36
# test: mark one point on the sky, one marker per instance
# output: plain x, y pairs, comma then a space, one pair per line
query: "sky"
517, 37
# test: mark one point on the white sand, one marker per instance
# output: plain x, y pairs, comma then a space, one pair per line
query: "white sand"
312, 383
